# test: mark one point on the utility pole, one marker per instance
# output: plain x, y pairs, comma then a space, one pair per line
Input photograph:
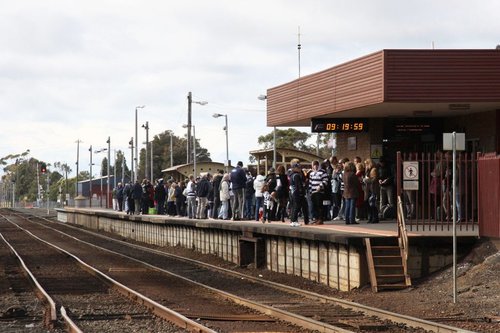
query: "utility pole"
38, 198
109, 162
171, 151
136, 141
90, 183
13, 193
77, 163
123, 170
194, 151
48, 187
146, 127
66, 201
151, 164
190, 102
189, 123
114, 169
132, 175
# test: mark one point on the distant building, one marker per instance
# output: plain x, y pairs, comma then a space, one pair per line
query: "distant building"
182, 171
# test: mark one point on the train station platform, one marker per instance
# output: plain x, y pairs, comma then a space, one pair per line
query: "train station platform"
387, 228
333, 253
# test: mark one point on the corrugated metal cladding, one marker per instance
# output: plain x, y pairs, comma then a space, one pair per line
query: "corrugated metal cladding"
442, 75
354, 84
407, 76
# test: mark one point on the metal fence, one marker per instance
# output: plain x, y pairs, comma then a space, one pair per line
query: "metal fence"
428, 206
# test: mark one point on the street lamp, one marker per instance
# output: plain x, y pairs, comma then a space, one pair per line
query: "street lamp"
108, 181
90, 183
264, 98
77, 162
194, 148
131, 146
146, 127
190, 102
136, 142
217, 115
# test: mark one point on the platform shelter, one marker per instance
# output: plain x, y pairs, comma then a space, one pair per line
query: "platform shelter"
403, 101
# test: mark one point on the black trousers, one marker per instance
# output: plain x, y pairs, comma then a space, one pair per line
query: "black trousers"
299, 203
317, 202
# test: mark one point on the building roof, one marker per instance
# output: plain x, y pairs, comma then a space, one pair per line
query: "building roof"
397, 83
284, 155
182, 171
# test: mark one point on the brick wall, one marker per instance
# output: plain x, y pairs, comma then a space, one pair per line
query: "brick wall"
363, 141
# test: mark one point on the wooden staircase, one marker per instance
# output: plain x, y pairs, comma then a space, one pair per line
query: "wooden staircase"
387, 258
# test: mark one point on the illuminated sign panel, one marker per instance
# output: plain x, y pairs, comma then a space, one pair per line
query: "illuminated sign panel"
339, 125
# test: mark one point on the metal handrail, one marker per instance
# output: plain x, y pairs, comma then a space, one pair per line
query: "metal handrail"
402, 233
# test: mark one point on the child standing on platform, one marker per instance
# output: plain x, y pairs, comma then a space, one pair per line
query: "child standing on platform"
268, 204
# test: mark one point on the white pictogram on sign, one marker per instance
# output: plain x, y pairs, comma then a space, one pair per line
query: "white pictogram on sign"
410, 170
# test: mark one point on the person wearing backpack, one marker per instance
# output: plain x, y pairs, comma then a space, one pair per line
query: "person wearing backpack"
160, 195
249, 196
298, 195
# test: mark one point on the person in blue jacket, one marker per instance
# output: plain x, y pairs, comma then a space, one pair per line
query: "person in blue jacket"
238, 182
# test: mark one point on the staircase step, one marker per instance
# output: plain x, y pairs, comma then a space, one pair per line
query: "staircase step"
390, 275
399, 286
388, 266
385, 247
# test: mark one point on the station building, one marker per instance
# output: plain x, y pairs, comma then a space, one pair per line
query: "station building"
403, 101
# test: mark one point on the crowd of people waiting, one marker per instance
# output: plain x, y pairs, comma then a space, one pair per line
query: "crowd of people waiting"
330, 190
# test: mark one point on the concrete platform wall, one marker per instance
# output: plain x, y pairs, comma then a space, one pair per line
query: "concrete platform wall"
337, 265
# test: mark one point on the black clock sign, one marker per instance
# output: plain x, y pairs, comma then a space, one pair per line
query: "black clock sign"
338, 125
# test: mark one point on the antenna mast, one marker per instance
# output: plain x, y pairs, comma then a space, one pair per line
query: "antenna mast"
298, 80
298, 48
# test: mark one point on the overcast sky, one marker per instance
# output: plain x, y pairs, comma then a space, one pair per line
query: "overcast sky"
77, 69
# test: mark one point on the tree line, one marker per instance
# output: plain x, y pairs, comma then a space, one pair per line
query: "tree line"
22, 173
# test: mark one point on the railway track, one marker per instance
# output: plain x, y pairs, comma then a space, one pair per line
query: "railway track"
304, 309
76, 296
179, 295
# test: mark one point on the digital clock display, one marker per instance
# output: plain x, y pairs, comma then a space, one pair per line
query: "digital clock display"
338, 125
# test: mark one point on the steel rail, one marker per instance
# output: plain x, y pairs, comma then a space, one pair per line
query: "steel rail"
380, 313
370, 311
38, 288
293, 318
70, 325
158, 309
